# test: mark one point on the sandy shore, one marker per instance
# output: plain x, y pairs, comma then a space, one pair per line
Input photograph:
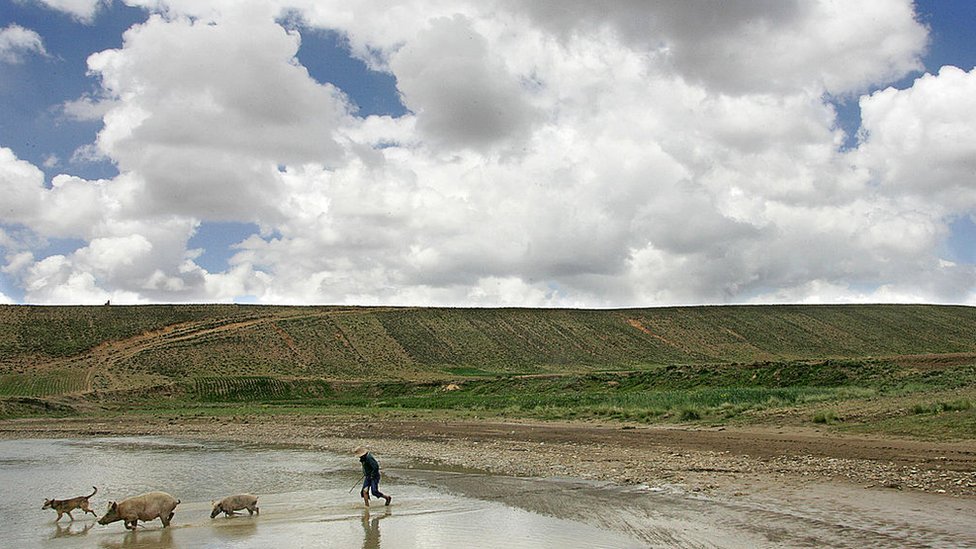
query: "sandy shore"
801, 483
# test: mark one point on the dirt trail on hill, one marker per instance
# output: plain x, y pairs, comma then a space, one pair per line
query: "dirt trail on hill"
98, 360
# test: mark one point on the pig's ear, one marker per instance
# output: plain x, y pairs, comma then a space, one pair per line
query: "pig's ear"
112, 505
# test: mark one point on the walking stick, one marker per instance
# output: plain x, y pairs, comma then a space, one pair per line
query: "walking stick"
357, 483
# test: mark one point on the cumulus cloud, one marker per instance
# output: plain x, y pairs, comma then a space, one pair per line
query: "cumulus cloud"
205, 112
463, 94
555, 154
54, 280
764, 46
129, 256
17, 42
920, 142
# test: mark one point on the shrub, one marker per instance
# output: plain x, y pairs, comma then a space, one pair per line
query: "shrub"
956, 405
939, 407
824, 417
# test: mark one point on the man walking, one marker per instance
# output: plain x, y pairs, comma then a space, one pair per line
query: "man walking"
371, 475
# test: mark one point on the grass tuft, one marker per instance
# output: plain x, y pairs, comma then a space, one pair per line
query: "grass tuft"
689, 414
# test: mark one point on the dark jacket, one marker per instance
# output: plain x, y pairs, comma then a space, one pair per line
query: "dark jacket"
370, 467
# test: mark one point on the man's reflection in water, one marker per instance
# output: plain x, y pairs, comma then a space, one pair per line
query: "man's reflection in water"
371, 528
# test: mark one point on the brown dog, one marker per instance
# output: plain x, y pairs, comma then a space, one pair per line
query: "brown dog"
63, 506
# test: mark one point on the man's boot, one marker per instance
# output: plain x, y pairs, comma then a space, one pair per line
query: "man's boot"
388, 499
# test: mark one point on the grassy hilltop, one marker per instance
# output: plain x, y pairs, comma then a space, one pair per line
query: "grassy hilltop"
638, 364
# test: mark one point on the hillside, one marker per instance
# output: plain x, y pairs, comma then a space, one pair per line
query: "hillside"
69, 349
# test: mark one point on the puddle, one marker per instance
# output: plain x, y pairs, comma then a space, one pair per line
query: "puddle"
306, 498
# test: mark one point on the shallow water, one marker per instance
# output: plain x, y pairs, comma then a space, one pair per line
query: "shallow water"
304, 498
309, 499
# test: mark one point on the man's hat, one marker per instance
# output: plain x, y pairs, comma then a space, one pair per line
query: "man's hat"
360, 451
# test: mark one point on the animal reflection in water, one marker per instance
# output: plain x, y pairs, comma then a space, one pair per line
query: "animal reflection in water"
70, 530
157, 539
236, 530
371, 528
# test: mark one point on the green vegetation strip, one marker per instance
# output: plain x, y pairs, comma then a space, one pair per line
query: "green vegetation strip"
255, 388
41, 384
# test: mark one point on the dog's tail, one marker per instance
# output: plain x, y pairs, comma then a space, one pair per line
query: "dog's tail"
93, 493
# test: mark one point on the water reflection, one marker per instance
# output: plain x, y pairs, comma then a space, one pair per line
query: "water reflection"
371, 528
157, 539
236, 528
70, 530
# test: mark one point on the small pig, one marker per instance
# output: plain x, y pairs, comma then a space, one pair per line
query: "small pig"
235, 503
143, 507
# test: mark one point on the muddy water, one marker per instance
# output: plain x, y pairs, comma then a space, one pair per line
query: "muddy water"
304, 500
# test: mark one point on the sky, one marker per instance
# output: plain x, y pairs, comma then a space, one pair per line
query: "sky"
554, 153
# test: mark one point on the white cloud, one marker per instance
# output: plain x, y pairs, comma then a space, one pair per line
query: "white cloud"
86, 108
920, 141
53, 281
16, 42
126, 248
378, 28
71, 207
17, 261
137, 261
21, 183
562, 153
82, 10
51, 161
